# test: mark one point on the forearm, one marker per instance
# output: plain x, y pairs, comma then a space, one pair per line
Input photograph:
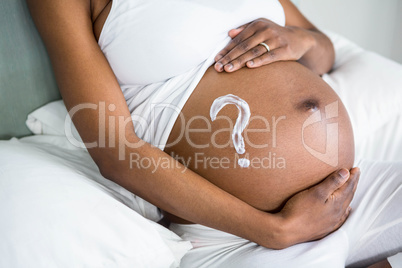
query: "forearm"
185, 194
321, 55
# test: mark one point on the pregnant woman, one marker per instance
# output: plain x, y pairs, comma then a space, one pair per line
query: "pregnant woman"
151, 71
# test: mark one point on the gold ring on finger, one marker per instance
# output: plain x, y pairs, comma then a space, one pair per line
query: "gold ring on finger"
265, 45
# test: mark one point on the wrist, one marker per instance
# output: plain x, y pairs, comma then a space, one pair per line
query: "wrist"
283, 232
317, 50
272, 231
306, 36
311, 39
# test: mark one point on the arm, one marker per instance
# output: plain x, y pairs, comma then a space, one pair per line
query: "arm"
85, 77
298, 40
381, 264
321, 55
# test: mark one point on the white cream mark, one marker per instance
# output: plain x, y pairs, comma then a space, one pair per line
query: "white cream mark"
241, 122
243, 162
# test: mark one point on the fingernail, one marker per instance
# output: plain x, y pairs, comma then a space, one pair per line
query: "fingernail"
219, 66
251, 63
229, 66
344, 173
349, 209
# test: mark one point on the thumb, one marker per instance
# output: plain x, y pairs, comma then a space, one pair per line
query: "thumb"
332, 183
234, 32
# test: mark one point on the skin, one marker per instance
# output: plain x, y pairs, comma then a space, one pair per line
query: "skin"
69, 30
381, 264
299, 40
293, 97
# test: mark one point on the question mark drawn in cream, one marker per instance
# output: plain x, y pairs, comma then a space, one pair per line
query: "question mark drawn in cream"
241, 122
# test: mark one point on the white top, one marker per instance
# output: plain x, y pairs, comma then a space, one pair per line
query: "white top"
160, 49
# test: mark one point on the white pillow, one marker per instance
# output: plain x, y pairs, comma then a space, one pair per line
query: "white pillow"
57, 211
51, 119
396, 261
369, 85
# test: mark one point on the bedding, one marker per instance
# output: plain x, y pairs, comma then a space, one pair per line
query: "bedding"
51, 119
59, 211
396, 261
370, 87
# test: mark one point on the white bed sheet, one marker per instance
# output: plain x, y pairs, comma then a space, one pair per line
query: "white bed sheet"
370, 86
57, 209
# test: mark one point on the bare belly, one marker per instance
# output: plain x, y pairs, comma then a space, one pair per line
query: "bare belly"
299, 132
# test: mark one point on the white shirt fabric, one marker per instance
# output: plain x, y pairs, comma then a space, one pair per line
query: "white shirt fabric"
160, 49
372, 232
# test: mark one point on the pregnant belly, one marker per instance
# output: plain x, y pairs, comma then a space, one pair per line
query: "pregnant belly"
299, 132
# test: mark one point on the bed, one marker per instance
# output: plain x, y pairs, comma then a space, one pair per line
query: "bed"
58, 211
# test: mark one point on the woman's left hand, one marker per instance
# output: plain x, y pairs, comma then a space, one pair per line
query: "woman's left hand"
285, 43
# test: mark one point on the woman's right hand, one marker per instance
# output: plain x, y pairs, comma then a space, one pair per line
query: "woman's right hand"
318, 211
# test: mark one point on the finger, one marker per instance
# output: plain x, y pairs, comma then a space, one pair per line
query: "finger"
340, 222
267, 58
244, 35
346, 193
356, 169
338, 225
343, 218
330, 184
350, 185
242, 48
234, 32
241, 61
241, 35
